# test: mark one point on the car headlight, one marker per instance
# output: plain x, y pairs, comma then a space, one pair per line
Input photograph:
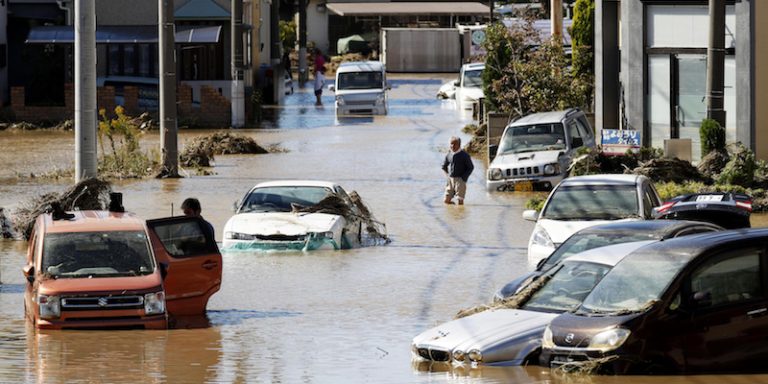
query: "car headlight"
237, 236
154, 303
494, 174
541, 237
552, 169
380, 98
475, 356
609, 340
459, 355
546, 340
50, 306
326, 234
340, 100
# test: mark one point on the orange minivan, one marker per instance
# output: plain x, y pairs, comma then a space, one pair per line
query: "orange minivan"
112, 269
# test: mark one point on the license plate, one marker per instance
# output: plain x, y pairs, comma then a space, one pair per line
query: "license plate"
523, 186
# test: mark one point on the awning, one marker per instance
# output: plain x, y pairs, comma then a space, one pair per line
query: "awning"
124, 34
201, 10
419, 8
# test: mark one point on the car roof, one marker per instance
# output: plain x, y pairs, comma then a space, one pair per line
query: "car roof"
296, 183
94, 221
608, 255
360, 66
543, 117
473, 66
602, 179
654, 228
691, 246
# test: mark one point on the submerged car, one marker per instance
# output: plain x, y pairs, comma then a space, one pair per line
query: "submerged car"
468, 89
506, 336
607, 234
696, 304
583, 201
112, 269
291, 215
535, 151
727, 209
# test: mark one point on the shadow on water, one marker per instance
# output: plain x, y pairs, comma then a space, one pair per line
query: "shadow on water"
12, 288
238, 316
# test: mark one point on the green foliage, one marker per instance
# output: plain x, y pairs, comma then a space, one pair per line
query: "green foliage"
712, 136
536, 203
582, 37
740, 169
125, 159
525, 75
287, 34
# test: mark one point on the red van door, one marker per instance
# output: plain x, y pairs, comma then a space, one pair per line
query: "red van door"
192, 262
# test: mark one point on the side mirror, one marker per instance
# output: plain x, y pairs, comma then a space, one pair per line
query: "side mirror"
530, 215
29, 273
389, 87
577, 142
163, 270
235, 205
456, 83
702, 299
492, 149
332, 88
541, 263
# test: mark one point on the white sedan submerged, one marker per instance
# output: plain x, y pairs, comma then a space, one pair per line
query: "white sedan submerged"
294, 214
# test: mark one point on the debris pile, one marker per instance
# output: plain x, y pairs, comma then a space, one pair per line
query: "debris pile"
88, 194
376, 231
199, 152
675, 170
6, 227
511, 302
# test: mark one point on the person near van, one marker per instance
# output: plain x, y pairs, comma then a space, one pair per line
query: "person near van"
319, 75
457, 167
191, 207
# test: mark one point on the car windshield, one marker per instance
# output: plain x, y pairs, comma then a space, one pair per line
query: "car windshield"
473, 78
592, 202
360, 80
633, 284
531, 138
97, 254
584, 242
283, 199
567, 287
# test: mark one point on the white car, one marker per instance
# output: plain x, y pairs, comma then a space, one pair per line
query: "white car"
361, 87
469, 87
505, 336
280, 215
583, 201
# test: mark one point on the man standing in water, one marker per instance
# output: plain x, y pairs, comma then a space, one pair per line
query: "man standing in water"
457, 167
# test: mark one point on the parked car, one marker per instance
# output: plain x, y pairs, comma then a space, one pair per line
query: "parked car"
506, 336
730, 210
536, 150
111, 269
273, 215
583, 201
469, 86
361, 87
607, 234
688, 305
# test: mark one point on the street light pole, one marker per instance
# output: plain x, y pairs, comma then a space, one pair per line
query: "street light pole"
716, 62
85, 90
168, 121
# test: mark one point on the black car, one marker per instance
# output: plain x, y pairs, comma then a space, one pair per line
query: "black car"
697, 304
608, 234
727, 209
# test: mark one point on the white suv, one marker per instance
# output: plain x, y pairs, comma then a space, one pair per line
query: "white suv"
536, 150
469, 86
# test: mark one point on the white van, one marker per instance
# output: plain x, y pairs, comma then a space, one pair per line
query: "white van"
361, 87
469, 86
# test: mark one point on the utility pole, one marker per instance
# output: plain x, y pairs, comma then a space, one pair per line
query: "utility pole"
85, 90
303, 75
168, 122
556, 18
274, 51
716, 62
238, 85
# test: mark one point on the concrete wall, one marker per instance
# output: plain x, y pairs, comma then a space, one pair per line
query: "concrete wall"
421, 49
132, 12
760, 91
317, 25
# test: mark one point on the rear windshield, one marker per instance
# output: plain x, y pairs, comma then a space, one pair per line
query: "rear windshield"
593, 202
567, 287
97, 254
584, 242
360, 80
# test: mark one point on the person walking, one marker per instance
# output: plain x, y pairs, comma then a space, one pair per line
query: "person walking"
191, 207
319, 75
457, 167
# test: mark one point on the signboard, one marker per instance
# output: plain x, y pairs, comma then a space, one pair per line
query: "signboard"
477, 37
618, 141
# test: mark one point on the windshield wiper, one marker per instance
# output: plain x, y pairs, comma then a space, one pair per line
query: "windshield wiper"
617, 312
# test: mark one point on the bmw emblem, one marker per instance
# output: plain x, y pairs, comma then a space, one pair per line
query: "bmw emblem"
102, 301
569, 338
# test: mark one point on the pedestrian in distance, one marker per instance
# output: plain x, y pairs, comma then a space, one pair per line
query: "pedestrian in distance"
191, 207
457, 167
319, 75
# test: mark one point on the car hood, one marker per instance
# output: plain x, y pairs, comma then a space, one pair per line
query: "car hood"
499, 334
101, 285
281, 223
560, 230
526, 159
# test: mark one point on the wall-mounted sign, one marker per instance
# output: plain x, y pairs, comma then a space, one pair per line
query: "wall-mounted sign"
618, 141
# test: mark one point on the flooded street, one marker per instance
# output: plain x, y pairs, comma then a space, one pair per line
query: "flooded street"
290, 317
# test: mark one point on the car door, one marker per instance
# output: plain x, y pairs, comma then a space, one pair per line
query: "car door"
729, 327
192, 261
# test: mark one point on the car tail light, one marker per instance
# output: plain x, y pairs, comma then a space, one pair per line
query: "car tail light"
745, 205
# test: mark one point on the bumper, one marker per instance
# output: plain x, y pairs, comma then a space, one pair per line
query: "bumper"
367, 109
258, 245
110, 320
544, 183
591, 362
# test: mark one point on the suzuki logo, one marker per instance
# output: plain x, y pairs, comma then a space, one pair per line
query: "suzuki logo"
569, 338
102, 301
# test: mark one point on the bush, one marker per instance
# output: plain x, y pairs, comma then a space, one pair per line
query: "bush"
740, 169
712, 136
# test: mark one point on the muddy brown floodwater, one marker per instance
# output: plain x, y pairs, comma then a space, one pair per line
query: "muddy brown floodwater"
320, 317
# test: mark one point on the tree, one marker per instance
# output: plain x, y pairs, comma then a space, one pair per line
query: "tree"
582, 33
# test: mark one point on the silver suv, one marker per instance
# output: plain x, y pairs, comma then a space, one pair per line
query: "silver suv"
536, 150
